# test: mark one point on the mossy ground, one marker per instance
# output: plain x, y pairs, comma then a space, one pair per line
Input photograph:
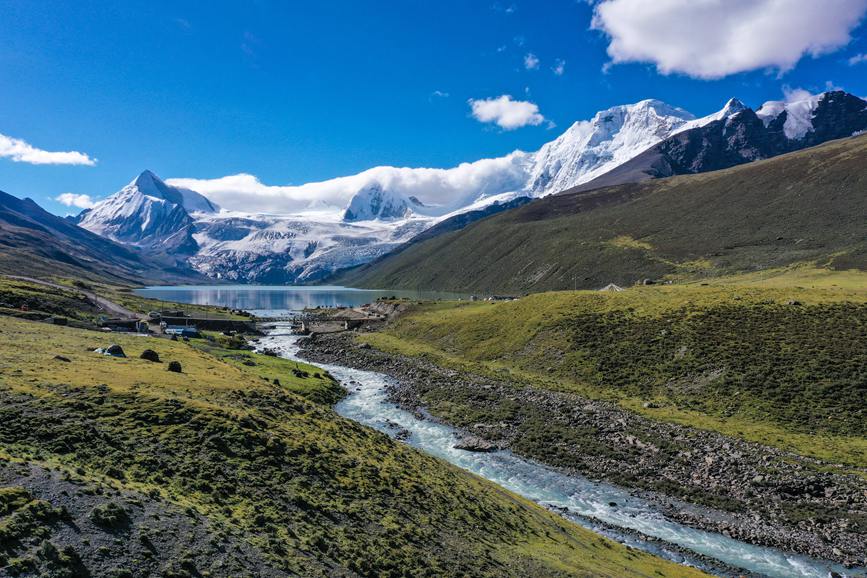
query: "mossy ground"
780, 366
316, 494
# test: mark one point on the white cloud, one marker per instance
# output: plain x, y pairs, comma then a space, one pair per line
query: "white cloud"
441, 190
20, 151
559, 67
796, 94
73, 200
531, 61
858, 59
440, 94
508, 114
715, 38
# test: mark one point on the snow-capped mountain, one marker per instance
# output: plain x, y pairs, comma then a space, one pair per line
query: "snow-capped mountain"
373, 202
312, 230
745, 136
149, 213
590, 148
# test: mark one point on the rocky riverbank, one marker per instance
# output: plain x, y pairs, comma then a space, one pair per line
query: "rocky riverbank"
747, 491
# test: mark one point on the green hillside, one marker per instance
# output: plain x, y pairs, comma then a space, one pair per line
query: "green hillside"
117, 467
780, 366
808, 206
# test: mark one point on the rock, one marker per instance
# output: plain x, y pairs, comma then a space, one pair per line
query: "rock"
364, 346
150, 355
175, 366
61, 358
474, 444
248, 363
649, 405
112, 350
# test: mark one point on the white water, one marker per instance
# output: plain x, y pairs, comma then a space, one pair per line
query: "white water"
576, 497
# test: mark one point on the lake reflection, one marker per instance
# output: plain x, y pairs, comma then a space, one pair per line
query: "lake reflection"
278, 299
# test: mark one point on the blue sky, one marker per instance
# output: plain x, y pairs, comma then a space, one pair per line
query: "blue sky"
293, 92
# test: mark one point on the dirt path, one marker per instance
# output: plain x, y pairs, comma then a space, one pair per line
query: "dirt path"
101, 302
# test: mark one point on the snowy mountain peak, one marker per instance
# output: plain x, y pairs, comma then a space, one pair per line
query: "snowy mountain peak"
733, 106
590, 148
147, 179
148, 184
148, 212
374, 202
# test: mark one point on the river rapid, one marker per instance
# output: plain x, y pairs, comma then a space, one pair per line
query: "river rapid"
604, 508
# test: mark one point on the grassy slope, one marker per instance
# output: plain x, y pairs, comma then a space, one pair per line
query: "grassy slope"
317, 494
42, 301
739, 360
805, 206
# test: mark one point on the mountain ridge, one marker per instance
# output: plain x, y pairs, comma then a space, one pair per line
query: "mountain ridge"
625, 143
804, 206
40, 243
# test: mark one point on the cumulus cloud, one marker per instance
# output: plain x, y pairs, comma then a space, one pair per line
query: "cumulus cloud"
858, 59
531, 61
440, 190
796, 94
715, 38
74, 200
559, 67
20, 151
505, 112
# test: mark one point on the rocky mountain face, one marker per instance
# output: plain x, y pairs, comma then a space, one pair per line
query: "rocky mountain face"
628, 143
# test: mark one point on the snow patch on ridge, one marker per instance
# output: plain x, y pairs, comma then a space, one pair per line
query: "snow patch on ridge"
799, 115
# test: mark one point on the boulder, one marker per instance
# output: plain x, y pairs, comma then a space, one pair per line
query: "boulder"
115, 350
474, 444
61, 358
175, 366
150, 355
112, 350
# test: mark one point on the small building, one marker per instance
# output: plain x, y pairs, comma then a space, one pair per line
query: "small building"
173, 313
181, 330
128, 325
